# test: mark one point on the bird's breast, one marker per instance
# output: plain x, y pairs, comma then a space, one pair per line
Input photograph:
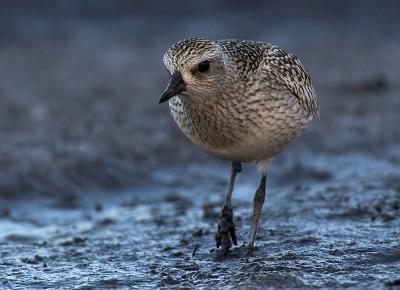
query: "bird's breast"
207, 124
240, 129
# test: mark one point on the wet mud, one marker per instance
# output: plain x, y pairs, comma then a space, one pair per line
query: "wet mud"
100, 190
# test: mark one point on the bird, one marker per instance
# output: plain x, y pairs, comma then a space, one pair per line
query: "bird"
239, 100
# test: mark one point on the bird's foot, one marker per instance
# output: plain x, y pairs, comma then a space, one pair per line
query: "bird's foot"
250, 250
225, 236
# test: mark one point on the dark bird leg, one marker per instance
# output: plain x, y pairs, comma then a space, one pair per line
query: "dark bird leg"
259, 197
225, 235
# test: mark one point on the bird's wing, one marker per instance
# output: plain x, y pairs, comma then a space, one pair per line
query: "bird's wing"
282, 70
286, 72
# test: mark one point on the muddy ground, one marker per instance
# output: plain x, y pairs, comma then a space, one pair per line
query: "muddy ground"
100, 190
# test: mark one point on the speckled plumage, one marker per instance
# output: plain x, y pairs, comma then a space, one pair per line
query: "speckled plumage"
242, 101
266, 101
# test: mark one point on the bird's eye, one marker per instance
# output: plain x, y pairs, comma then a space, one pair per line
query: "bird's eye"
203, 66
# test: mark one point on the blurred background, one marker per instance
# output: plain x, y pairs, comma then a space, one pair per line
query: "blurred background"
80, 80
84, 141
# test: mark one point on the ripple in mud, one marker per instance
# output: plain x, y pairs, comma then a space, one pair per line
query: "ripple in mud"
35, 260
76, 241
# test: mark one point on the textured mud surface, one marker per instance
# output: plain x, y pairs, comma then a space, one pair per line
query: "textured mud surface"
99, 189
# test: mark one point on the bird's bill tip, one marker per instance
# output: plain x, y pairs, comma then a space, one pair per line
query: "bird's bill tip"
166, 95
175, 86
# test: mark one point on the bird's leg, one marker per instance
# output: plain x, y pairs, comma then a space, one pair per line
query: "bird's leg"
259, 197
225, 235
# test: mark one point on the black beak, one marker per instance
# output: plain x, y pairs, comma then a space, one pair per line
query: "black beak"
175, 86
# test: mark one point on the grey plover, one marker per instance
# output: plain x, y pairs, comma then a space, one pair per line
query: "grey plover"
242, 101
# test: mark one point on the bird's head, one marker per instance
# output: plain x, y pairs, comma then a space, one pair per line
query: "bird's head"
198, 69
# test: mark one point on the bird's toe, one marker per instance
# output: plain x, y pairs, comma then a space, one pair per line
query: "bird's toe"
225, 236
